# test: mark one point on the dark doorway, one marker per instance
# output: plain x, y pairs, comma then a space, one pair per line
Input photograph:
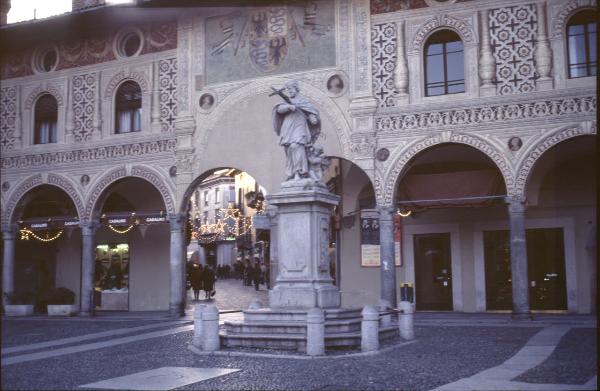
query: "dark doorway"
433, 272
546, 269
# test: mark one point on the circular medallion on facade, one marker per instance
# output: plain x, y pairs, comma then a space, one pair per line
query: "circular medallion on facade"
5, 186
382, 154
128, 42
206, 101
85, 179
173, 171
515, 143
45, 59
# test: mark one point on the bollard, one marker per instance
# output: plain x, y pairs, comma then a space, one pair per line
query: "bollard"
197, 341
369, 329
405, 320
210, 328
384, 307
315, 332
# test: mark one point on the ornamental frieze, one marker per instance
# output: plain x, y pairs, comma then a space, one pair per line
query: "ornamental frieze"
89, 154
488, 114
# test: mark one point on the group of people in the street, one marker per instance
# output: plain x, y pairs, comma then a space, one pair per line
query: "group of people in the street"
255, 273
202, 278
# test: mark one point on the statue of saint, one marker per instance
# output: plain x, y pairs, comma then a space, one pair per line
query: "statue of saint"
298, 125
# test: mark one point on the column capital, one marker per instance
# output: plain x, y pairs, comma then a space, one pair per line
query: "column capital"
386, 212
88, 228
516, 204
9, 231
177, 221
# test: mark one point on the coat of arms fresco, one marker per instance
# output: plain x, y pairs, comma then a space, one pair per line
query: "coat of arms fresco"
257, 41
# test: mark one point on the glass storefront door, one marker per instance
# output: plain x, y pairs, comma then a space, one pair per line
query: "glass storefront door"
545, 265
111, 277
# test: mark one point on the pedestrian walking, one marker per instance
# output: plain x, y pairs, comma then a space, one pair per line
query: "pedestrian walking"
208, 282
196, 280
256, 274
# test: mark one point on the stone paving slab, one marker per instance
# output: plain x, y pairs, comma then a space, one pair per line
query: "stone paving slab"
165, 378
574, 361
16, 332
534, 353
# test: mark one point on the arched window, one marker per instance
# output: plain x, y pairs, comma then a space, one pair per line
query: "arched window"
46, 114
444, 64
128, 108
581, 45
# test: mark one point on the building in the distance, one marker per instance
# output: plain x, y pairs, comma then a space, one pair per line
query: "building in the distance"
463, 136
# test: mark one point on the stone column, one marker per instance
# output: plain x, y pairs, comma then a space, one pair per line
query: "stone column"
543, 53
487, 64
401, 71
518, 257
9, 233
88, 258
386, 251
177, 266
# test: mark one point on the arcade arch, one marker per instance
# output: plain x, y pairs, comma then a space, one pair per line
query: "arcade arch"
433, 190
225, 213
561, 193
46, 248
131, 247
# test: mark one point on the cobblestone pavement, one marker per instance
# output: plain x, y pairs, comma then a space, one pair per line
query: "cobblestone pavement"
232, 294
449, 347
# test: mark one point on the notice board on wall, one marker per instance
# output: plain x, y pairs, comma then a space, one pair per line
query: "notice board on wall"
370, 241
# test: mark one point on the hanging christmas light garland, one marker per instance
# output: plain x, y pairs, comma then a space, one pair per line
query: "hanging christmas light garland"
230, 222
121, 231
26, 234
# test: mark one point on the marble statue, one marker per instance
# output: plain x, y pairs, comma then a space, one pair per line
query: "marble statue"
298, 125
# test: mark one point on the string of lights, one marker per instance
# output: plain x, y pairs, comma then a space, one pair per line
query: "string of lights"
124, 231
26, 234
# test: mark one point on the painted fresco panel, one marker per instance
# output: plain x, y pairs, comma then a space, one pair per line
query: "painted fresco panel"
260, 41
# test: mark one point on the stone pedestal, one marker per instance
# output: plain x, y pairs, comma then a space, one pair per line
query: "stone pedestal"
303, 279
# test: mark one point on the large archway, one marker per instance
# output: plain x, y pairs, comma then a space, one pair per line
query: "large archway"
561, 191
48, 244
131, 266
445, 195
228, 236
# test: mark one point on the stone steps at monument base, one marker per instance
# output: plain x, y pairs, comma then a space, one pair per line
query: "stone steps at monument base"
274, 315
294, 327
297, 341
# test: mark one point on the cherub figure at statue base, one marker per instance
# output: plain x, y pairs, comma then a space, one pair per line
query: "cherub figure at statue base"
317, 163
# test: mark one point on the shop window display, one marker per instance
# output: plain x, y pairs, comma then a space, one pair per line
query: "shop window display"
111, 277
